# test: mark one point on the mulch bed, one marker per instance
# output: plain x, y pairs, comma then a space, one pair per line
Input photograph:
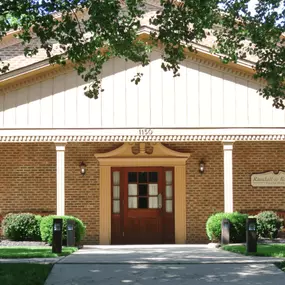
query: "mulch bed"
22, 243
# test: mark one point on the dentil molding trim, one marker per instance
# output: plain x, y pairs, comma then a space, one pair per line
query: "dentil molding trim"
137, 138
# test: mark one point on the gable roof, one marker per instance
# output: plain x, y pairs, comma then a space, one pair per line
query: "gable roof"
12, 52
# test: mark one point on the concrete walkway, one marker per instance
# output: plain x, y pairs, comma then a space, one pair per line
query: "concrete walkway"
175, 265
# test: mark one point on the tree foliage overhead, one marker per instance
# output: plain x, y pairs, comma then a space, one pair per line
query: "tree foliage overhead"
90, 32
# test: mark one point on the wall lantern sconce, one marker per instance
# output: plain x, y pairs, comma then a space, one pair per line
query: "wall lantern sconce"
82, 168
202, 166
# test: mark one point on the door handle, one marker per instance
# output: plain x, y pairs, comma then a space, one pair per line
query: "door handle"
159, 201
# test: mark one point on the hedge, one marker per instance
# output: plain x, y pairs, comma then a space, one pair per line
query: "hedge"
22, 227
237, 226
47, 226
268, 224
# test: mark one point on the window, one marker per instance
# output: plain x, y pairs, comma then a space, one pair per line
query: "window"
168, 191
143, 190
116, 192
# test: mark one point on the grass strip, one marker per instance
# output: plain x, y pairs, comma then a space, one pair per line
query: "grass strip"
33, 252
273, 250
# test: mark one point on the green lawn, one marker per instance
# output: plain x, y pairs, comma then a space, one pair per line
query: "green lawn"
24, 273
32, 251
274, 250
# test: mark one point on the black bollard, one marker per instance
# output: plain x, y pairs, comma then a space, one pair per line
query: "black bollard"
70, 231
225, 238
57, 236
251, 235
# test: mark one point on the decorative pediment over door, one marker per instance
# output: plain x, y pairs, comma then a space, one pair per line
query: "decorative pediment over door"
142, 154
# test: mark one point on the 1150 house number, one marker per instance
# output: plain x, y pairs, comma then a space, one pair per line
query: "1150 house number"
145, 132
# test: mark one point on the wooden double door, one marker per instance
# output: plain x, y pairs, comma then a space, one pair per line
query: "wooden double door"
142, 205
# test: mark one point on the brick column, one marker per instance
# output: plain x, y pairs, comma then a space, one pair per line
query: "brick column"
60, 195
228, 177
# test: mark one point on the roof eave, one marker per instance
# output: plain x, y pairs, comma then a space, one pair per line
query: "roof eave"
44, 65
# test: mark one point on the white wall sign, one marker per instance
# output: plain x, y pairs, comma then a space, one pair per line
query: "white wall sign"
268, 179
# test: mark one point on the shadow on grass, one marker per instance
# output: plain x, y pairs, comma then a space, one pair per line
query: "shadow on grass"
281, 265
273, 250
24, 274
33, 252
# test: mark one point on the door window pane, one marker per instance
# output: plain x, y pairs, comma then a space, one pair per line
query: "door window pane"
168, 177
153, 189
133, 189
132, 177
153, 202
168, 191
116, 178
116, 192
153, 177
116, 206
143, 203
168, 207
142, 177
142, 189
133, 203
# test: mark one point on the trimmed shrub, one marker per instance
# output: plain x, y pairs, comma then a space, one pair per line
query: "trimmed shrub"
47, 224
21, 227
38, 227
268, 224
237, 226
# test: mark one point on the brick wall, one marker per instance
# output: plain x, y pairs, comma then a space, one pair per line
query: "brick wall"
28, 177
82, 192
257, 157
204, 192
28, 180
